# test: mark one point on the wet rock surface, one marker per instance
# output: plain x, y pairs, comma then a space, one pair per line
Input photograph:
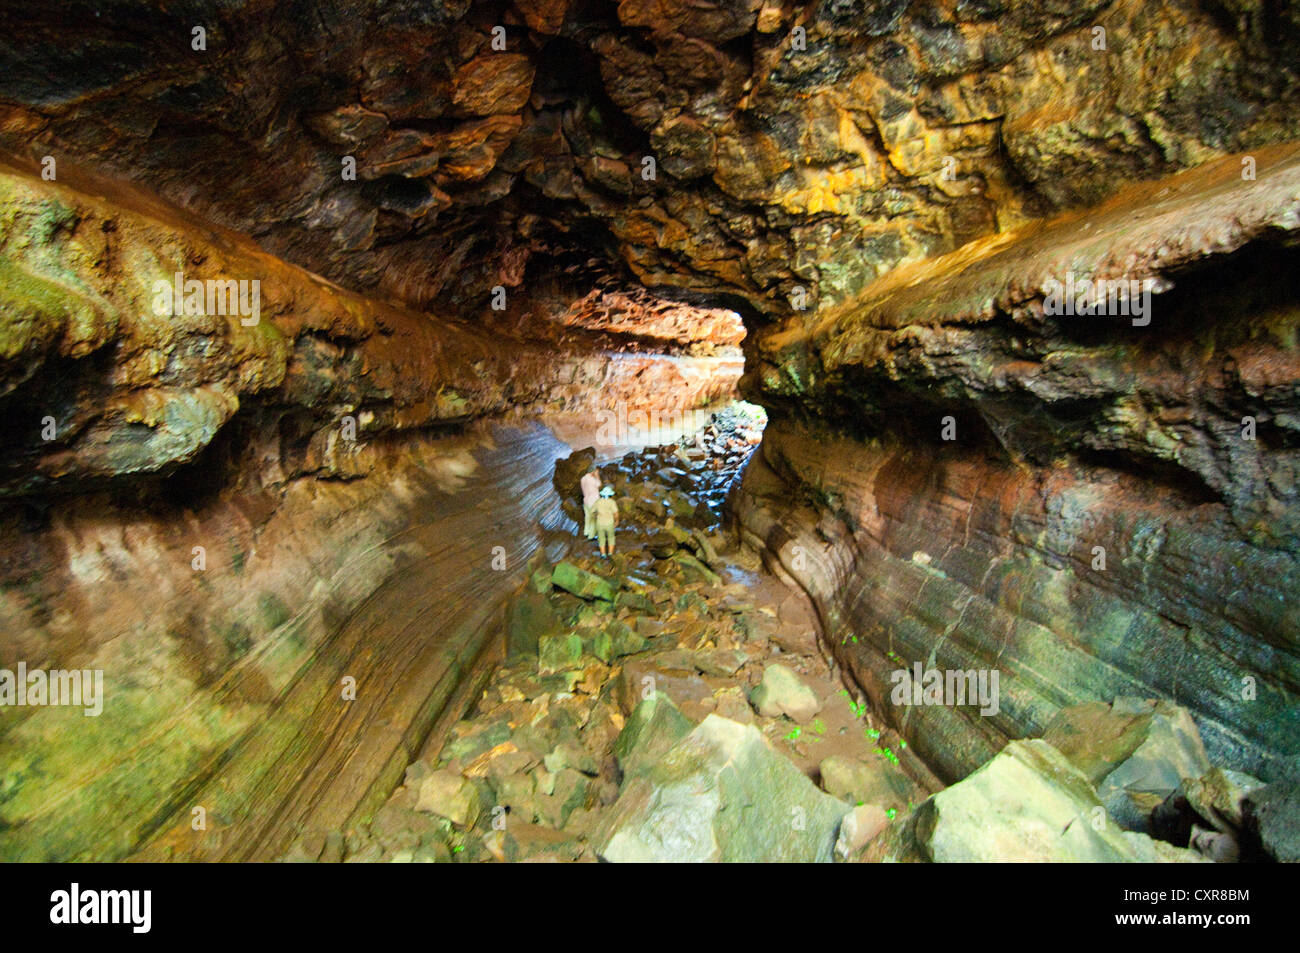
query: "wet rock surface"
129, 388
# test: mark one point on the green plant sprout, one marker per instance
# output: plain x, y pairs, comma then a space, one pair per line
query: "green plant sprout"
818, 726
794, 734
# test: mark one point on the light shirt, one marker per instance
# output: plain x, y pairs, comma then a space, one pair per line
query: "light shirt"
590, 484
606, 513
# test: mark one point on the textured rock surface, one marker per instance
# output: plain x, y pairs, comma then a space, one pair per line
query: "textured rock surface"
131, 392
200, 526
1136, 753
809, 147
1029, 804
228, 693
722, 794
558, 212
1098, 525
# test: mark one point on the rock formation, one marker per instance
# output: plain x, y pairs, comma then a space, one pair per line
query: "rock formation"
300, 307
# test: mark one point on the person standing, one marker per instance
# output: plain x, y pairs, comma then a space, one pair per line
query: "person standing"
590, 484
606, 513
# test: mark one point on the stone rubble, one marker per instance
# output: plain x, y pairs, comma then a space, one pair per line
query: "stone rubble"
616, 668
670, 703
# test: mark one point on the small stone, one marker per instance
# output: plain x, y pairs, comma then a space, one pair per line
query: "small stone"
859, 827
782, 693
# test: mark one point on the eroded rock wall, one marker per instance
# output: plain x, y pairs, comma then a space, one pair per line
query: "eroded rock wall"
238, 522
110, 382
1092, 505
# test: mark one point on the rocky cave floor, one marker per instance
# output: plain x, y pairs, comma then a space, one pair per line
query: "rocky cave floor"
682, 622
673, 702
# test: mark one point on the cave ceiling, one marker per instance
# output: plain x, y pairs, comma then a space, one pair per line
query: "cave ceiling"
775, 156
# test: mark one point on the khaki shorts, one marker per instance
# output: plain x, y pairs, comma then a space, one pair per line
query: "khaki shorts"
605, 535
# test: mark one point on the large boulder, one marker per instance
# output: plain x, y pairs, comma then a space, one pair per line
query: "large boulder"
722, 794
580, 582
1029, 804
653, 728
1136, 752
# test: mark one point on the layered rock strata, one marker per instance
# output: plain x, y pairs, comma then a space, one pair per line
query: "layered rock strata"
241, 518
1093, 506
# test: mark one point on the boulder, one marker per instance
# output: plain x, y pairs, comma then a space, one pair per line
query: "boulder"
570, 790
661, 544
449, 795
1136, 752
1218, 794
782, 693
859, 827
721, 794
1029, 803
616, 640
1271, 820
636, 601
696, 568
528, 617
580, 582
651, 730
861, 783
522, 842
559, 652
643, 675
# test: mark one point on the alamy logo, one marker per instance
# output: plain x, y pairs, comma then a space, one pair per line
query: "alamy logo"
213, 296
103, 906
1103, 296
75, 687
949, 687
619, 427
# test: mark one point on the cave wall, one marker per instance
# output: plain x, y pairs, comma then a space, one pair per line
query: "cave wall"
201, 526
883, 190
1067, 434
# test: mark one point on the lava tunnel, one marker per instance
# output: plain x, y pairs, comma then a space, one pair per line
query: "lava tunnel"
690, 430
